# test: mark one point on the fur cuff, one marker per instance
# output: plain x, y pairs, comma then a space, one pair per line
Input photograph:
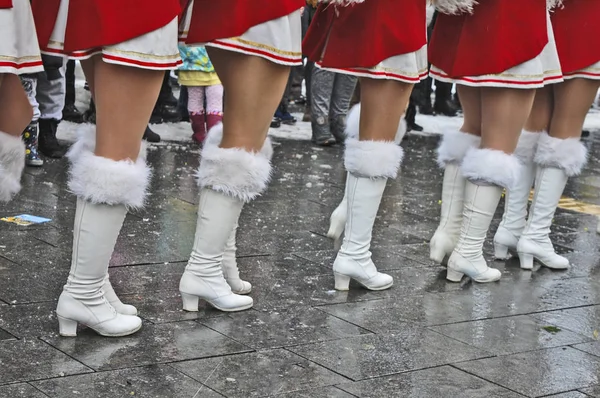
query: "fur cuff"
104, 181
526, 146
454, 147
569, 155
343, 3
215, 136
234, 172
12, 162
491, 166
455, 7
86, 142
373, 159
353, 125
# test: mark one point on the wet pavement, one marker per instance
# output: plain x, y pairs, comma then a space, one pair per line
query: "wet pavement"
532, 334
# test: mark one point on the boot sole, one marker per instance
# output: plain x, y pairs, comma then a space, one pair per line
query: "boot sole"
237, 309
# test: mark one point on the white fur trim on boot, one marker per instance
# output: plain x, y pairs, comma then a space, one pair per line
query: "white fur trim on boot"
343, 3
353, 125
12, 162
527, 145
454, 147
455, 7
234, 172
373, 159
215, 136
569, 155
491, 166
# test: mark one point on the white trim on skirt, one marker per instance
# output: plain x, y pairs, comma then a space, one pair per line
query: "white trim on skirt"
591, 73
279, 40
19, 48
155, 50
536, 73
407, 68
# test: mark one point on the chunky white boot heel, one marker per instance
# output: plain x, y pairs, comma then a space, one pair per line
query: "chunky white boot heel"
526, 261
450, 153
67, 327
501, 252
342, 282
190, 302
454, 276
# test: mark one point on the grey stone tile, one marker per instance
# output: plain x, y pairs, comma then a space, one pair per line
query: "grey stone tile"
410, 348
31, 359
591, 347
21, 390
326, 392
4, 335
166, 306
571, 394
259, 374
509, 335
539, 373
591, 391
29, 320
444, 381
148, 382
274, 329
584, 320
146, 280
154, 344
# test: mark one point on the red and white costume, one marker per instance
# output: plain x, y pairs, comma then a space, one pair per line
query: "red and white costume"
142, 33
577, 30
379, 39
19, 49
501, 44
272, 31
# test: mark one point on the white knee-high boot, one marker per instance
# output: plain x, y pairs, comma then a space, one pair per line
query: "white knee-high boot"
487, 172
516, 200
337, 220
12, 162
451, 152
228, 179
557, 160
105, 189
366, 182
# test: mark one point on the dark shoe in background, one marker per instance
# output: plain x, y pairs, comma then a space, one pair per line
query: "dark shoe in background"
150, 135
198, 128
321, 134
89, 116
47, 143
70, 111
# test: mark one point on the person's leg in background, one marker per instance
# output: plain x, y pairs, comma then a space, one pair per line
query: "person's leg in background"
444, 105
283, 113
214, 105
30, 134
343, 89
70, 112
322, 83
166, 109
50, 96
195, 104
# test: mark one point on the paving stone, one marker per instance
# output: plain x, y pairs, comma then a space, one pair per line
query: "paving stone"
4, 335
144, 280
539, 373
166, 306
31, 359
21, 390
410, 348
154, 344
444, 381
148, 382
326, 392
585, 320
509, 335
591, 347
591, 391
571, 394
274, 329
29, 320
259, 374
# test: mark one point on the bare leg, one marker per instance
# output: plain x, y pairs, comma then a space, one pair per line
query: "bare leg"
383, 104
124, 99
504, 113
541, 111
572, 102
470, 98
15, 110
253, 89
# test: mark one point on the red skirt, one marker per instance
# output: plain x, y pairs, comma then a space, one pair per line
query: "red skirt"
5, 4
365, 34
97, 23
498, 35
223, 19
577, 33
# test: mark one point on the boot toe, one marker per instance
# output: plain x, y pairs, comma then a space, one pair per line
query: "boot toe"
125, 309
378, 282
121, 325
241, 287
232, 303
